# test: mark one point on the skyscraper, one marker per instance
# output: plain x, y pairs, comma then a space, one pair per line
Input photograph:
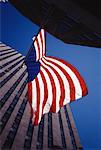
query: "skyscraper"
55, 131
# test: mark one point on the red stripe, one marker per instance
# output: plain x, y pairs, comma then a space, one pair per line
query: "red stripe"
71, 84
38, 102
45, 90
41, 42
38, 47
30, 95
62, 96
81, 81
53, 106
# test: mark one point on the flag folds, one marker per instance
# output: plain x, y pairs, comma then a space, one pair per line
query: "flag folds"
52, 82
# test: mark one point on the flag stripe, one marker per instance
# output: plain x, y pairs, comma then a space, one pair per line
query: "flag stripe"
38, 102
41, 42
45, 90
38, 48
41, 85
43, 38
40, 45
34, 98
30, 95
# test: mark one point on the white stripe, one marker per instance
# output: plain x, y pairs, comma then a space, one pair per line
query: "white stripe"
78, 89
41, 85
40, 45
57, 85
34, 96
48, 104
43, 39
37, 51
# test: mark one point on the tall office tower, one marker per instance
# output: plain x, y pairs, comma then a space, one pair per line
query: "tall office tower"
55, 131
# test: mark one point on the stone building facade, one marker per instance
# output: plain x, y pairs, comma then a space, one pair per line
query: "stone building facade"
55, 131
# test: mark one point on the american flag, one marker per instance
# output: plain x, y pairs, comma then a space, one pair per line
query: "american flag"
52, 82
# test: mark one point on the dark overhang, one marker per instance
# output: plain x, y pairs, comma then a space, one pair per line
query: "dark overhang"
72, 22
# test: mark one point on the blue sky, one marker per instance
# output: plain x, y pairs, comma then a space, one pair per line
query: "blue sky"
17, 31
